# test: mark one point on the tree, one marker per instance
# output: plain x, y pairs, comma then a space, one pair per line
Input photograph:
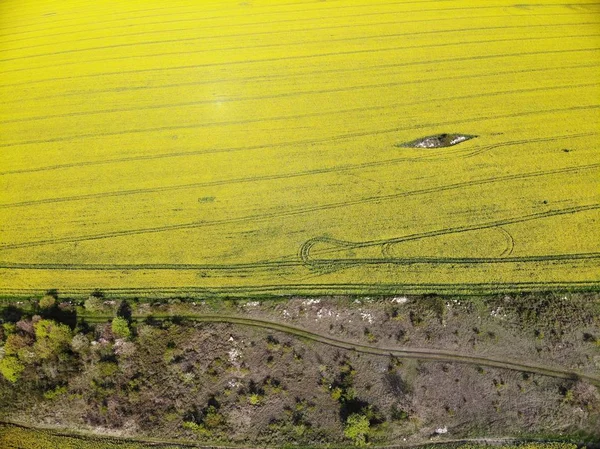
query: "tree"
51, 338
120, 327
357, 429
14, 343
47, 302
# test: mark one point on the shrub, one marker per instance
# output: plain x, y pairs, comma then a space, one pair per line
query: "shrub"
80, 343
198, 429
47, 302
212, 418
427, 308
11, 368
397, 414
94, 304
120, 327
107, 369
8, 329
336, 393
51, 394
53, 293
207, 421
254, 399
272, 343
357, 429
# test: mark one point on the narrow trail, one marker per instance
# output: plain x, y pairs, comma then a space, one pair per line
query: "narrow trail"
88, 435
439, 355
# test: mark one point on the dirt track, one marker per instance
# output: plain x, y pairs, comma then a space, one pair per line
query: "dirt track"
407, 352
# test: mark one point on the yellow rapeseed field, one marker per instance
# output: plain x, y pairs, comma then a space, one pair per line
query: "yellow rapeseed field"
255, 147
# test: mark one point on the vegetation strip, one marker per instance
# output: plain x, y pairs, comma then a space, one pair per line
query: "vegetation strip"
153, 443
276, 291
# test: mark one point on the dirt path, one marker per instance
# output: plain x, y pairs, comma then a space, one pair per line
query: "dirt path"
87, 435
407, 352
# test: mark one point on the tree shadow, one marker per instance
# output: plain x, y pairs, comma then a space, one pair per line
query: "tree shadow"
11, 314
64, 316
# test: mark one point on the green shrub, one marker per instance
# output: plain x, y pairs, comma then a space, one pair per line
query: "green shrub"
336, 394
254, 399
397, 414
94, 304
107, 369
357, 429
11, 368
47, 302
120, 327
8, 328
212, 418
198, 429
51, 394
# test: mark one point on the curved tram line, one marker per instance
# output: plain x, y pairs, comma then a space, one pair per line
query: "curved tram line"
438, 355
335, 245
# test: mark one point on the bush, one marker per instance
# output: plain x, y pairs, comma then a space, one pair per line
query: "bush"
80, 343
212, 418
107, 369
357, 429
198, 429
94, 304
120, 327
254, 399
11, 368
52, 394
397, 414
47, 302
